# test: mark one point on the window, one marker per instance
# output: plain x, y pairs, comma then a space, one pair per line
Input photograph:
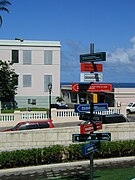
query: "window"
43, 125
15, 56
26, 57
27, 81
15, 79
32, 126
47, 80
22, 127
33, 102
48, 57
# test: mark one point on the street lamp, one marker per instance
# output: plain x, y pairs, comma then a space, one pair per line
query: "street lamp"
50, 90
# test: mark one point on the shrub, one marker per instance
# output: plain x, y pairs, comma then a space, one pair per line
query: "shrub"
59, 153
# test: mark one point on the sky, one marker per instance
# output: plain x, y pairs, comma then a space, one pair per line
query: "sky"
109, 24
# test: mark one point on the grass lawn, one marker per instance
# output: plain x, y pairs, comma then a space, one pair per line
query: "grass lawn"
109, 174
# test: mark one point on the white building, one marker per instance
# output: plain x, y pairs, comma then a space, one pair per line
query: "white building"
37, 63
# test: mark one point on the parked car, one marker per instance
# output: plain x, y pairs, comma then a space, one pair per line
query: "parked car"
27, 125
107, 119
131, 107
60, 106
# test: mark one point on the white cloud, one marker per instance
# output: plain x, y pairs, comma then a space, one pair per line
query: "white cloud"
123, 56
119, 66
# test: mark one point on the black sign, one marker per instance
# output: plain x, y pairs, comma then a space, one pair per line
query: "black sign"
91, 137
100, 56
94, 117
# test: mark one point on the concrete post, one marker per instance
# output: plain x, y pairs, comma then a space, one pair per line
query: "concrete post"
17, 116
123, 109
54, 115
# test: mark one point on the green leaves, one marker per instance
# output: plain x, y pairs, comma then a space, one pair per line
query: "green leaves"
59, 153
3, 4
8, 82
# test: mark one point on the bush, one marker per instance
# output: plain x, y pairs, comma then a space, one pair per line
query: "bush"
59, 154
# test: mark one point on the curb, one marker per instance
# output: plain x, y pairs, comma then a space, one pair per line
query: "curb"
101, 163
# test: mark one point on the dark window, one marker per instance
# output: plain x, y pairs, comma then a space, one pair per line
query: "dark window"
15, 79
15, 56
22, 127
114, 119
110, 120
29, 101
43, 125
32, 126
121, 119
33, 101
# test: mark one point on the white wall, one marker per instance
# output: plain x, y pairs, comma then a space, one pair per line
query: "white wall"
39, 138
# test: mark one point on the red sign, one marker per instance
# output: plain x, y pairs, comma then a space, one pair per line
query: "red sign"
90, 67
86, 128
93, 87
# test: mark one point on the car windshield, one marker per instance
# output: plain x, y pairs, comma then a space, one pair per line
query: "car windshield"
130, 104
14, 128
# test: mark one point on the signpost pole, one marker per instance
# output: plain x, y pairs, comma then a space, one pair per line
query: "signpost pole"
91, 166
91, 112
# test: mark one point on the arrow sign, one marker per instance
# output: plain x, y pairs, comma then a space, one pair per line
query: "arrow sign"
80, 108
91, 137
88, 148
100, 136
91, 87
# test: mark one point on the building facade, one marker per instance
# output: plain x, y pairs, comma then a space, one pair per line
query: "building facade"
122, 93
37, 63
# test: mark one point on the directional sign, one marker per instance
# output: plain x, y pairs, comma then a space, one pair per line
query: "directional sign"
86, 128
80, 108
92, 87
100, 136
91, 137
100, 56
88, 148
94, 77
91, 67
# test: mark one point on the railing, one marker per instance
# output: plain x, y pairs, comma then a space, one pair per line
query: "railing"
58, 115
33, 115
6, 117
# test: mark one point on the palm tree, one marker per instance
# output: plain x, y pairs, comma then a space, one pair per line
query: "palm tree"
3, 4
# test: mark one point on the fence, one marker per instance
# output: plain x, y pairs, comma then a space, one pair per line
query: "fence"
58, 115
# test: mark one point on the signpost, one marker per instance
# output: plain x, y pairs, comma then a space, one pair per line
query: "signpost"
81, 108
99, 56
91, 67
87, 65
94, 77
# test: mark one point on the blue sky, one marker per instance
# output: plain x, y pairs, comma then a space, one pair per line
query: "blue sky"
109, 24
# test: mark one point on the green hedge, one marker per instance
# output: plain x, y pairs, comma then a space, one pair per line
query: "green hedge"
59, 153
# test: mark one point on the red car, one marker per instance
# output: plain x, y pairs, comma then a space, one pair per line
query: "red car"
27, 125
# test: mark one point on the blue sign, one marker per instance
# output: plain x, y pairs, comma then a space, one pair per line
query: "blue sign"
81, 108
88, 148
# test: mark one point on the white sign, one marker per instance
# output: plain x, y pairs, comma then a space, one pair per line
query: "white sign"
92, 77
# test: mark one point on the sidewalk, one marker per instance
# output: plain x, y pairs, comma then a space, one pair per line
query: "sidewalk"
63, 169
